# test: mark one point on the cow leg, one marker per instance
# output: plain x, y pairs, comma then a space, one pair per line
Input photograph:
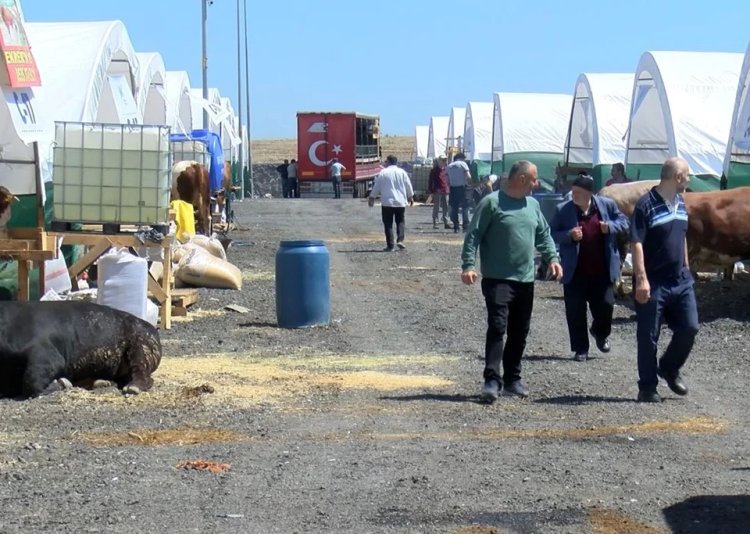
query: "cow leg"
44, 366
729, 273
138, 369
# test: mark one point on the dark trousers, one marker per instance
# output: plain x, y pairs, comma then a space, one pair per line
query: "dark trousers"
285, 187
336, 187
293, 188
457, 201
509, 306
674, 305
389, 215
596, 292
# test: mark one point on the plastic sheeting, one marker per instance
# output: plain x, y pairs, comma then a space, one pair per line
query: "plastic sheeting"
214, 101
179, 106
682, 106
478, 131
599, 121
230, 138
421, 138
75, 60
529, 122
151, 96
456, 127
437, 135
213, 144
738, 149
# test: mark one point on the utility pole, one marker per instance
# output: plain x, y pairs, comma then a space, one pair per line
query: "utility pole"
247, 93
204, 60
240, 158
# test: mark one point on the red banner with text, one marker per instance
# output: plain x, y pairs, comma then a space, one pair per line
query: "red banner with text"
20, 68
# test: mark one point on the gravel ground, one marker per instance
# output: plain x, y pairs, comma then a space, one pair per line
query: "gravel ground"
372, 424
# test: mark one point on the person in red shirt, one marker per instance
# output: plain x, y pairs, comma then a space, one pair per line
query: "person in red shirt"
585, 228
618, 175
438, 187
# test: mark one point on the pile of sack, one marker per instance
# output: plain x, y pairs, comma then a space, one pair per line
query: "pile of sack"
202, 262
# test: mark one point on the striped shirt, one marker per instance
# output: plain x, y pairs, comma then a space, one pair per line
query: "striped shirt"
661, 226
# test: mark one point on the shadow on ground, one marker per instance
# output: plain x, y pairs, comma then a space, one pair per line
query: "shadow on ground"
704, 514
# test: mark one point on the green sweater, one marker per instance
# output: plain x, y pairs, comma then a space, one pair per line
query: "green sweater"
507, 230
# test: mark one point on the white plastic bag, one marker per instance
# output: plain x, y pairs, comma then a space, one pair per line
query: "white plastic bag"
152, 312
56, 275
123, 282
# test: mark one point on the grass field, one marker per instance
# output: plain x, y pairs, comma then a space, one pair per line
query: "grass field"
277, 150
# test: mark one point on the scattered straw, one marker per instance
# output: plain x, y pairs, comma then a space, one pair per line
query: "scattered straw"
154, 438
257, 276
476, 529
615, 522
197, 313
204, 465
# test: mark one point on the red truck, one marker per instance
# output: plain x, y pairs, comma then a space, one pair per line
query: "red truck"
352, 138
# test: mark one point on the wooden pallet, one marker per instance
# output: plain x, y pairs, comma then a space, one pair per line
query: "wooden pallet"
182, 299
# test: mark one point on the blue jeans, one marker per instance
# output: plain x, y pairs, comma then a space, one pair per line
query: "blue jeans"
674, 305
458, 200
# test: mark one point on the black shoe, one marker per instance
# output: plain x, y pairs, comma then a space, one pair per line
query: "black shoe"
648, 396
675, 383
490, 391
448, 226
581, 356
388, 249
515, 389
602, 343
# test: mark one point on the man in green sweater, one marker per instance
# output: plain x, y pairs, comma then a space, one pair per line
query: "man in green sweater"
507, 226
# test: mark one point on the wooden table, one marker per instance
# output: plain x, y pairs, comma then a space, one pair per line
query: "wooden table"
98, 244
28, 246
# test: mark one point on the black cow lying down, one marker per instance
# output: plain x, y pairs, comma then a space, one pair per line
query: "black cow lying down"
48, 346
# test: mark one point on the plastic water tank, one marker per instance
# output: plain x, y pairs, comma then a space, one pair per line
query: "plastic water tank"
302, 284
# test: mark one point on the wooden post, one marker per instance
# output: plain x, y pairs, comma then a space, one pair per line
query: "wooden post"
23, 280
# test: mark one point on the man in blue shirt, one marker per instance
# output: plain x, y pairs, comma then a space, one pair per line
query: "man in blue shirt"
663, 283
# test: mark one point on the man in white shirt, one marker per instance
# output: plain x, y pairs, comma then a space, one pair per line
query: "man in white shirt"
336, 169
393, 186
292, 183
459, 178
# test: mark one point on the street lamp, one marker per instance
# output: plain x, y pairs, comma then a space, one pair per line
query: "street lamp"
247, 93
204, 58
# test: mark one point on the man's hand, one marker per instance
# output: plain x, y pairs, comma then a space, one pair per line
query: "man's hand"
411, 201
576, 234
555, 271
370, 201
642, 290
469, 277
604, 227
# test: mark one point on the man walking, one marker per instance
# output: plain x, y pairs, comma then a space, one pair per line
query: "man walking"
284, 175
292, 183
459, 177
507, 226
393, 186
663, 283
336, 169
438, 187
586, 228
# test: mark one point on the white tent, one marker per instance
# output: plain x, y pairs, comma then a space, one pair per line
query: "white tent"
599, 121
214, 111
421, 138
179, 107
478, 131
738, 149
81, 65
529, 122
682, 106
456, 124
230, 139
437, 137
151, 95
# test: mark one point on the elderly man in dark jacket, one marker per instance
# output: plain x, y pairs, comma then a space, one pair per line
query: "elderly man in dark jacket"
585, 228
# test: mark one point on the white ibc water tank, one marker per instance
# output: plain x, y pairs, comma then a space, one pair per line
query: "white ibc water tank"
123, 282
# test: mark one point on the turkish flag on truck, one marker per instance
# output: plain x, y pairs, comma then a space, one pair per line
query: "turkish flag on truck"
322, 137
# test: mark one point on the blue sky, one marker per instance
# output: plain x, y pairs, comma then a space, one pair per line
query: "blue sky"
407, 60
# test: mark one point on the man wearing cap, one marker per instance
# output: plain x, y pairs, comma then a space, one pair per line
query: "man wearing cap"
585, 228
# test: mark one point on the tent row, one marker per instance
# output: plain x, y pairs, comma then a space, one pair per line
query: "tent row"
689, 104
92, 73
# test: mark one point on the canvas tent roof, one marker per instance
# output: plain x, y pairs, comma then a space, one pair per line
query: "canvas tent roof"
437, 136
179, 106
77, 61
229, 134
682, 106
214, 99
421, 138
151, 95
478, 131
599, 120
529, 122
456, 124
738, 148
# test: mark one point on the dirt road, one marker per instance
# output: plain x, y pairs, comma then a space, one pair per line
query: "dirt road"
372, 424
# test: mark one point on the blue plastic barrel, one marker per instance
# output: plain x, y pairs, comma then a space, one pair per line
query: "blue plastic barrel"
302, 284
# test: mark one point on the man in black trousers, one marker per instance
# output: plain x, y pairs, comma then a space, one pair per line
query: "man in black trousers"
585, 228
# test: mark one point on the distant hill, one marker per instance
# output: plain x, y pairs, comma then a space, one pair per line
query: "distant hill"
267, 151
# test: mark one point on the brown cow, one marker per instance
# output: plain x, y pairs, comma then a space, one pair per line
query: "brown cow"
192, 185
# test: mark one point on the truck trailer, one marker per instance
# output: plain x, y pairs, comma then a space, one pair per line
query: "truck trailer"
352, 138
